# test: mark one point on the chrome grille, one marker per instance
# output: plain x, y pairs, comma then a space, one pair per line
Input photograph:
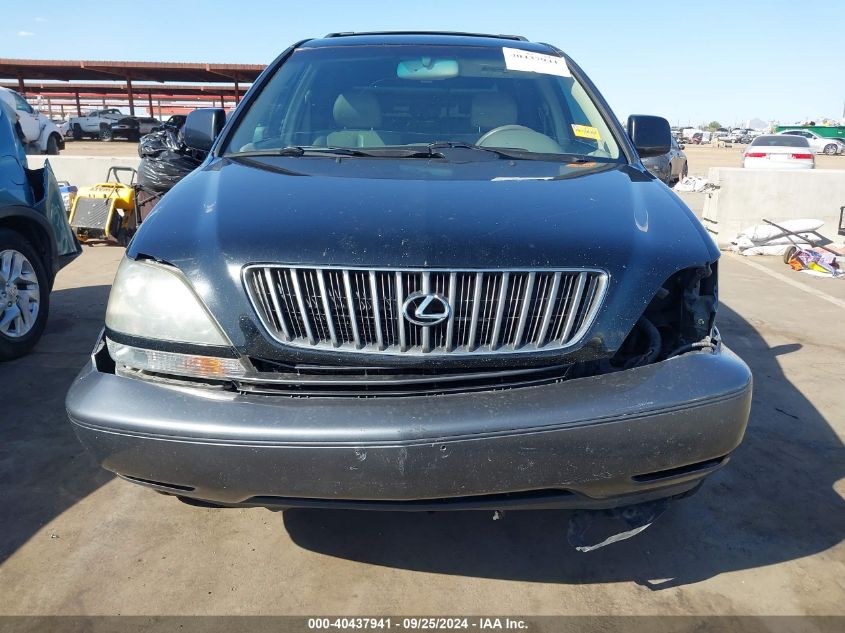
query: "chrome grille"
361, 310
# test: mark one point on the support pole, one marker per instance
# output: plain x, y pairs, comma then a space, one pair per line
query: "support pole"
151, 111
131, 96
78, 106
237, 93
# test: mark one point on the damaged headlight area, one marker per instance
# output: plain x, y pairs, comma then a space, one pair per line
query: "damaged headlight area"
679, 319
156, 324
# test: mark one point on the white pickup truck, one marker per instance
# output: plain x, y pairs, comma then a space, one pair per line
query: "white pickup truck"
40, 134
96, 124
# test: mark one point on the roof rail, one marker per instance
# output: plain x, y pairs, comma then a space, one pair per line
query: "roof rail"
518, 38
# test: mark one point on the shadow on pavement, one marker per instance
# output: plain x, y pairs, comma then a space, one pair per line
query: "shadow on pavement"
43, 468
773, 502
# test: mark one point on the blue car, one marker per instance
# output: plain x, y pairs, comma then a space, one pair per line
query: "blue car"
35, 242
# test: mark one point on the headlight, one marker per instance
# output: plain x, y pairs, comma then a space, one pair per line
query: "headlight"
155, 302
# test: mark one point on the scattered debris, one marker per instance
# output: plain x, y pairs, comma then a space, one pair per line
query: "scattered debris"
694, 184
590, 530
814, 263
797, 241
498, 515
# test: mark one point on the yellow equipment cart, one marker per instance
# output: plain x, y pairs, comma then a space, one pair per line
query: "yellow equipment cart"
107, 211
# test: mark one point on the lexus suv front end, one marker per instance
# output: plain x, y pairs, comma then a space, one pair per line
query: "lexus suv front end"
417, 271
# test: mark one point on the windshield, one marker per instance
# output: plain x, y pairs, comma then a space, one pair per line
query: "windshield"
780, 140
404, 96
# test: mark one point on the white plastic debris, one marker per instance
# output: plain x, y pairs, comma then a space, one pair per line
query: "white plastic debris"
767, 239
763, 234
694, 184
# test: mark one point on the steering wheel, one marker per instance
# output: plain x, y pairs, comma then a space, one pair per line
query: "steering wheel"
519, 137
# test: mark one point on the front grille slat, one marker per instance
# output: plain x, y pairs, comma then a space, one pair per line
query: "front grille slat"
547, 316
500, 311
376, 310
523, 314
303, 311
476, 308
450, 325
572, 306
490, 311
350, 302
321, 282
403, 341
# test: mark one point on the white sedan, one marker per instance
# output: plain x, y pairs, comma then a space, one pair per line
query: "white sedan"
778, 151
819, 144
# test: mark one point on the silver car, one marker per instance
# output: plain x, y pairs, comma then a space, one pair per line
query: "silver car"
819, 144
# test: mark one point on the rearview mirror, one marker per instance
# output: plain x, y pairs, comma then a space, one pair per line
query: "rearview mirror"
651, 135
427, 69
202, 127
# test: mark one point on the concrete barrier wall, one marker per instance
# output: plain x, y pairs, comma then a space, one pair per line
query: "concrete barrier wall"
83, 170
746, 196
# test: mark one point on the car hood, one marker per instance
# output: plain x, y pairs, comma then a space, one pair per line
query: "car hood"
421, 213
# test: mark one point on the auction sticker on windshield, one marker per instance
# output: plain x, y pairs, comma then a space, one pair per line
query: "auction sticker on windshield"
586, 131
526, 61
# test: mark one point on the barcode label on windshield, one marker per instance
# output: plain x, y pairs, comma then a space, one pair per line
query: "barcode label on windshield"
526, 61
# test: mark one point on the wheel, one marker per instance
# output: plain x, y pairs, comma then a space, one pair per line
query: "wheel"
77, 132
788, 253
24, 293
830, 149
106, 133
52, 145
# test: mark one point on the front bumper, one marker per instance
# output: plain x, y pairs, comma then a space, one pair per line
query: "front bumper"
595, 442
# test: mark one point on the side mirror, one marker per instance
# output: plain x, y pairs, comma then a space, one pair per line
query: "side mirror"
202, 127
651, 135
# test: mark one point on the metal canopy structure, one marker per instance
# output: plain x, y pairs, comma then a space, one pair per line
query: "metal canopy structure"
23, 70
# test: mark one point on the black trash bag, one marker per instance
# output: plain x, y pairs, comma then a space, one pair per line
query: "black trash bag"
155, 143
160, 172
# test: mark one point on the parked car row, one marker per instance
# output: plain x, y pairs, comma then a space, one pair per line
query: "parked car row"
110, 124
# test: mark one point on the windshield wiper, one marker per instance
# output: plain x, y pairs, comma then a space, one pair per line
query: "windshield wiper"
297, 150
370, 152
509, 152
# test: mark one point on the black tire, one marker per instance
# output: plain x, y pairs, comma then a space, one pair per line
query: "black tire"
52, 145
788, 253
77, 132
15, 347
106, 133
830, 149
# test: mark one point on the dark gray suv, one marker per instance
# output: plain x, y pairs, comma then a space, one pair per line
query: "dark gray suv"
417, 271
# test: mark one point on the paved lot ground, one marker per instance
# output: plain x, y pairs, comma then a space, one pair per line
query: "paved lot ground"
764, 536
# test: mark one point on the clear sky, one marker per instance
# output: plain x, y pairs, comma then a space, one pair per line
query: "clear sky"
688, 60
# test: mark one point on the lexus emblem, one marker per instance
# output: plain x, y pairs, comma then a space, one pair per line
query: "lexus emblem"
426, 308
